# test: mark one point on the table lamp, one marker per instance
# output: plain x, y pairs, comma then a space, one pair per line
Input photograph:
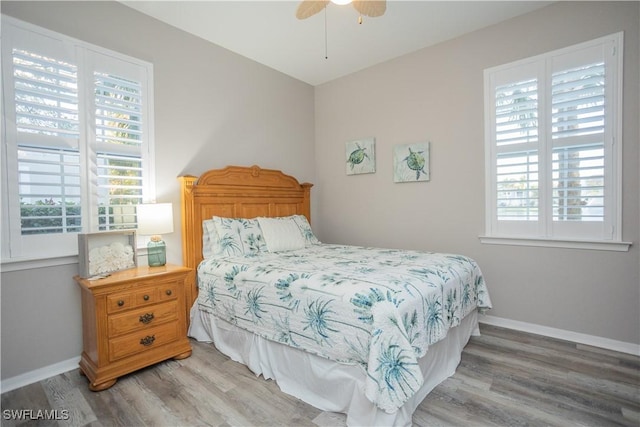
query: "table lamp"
155, 219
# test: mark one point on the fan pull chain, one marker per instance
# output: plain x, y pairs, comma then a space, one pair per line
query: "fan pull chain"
326, 53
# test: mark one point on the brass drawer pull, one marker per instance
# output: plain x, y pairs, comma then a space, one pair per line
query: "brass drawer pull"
168, 292
146, 318
120, 303
146, 297
148, 340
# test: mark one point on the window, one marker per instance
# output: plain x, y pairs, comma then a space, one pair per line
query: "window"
77, 123
552, 143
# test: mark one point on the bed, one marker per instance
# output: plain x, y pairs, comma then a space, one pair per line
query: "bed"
367, 332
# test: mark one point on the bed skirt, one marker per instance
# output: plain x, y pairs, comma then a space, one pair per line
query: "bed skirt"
323, 383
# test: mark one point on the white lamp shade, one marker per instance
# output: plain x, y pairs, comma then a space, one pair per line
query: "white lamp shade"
155, 218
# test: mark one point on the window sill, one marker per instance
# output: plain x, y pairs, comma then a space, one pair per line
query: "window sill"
557, 243
18, 264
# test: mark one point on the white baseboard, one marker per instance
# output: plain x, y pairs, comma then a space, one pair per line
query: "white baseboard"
609, 344
621, 346
39, 374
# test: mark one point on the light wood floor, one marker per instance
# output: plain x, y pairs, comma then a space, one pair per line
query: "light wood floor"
506, 378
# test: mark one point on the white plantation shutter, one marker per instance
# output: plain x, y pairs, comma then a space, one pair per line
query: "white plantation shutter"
46, 95
49, 190
119, 142
552, 162
47, 134
577, 101
517, 185
78, 131
577, 132
120, 188
516, 130
516, 113
118, 111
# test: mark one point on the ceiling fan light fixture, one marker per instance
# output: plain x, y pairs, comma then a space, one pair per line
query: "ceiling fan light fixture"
371, 8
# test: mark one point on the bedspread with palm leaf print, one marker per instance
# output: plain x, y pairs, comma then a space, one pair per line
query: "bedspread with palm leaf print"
379, 308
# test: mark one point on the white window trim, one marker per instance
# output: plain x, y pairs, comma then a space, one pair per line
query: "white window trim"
15, 264
614, 244
603, 245
25, 261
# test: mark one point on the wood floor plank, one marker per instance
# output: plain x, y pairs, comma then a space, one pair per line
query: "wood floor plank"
206, 361
163, 380
31, 397
557, 401
213, 405
505, 378
267, 406
63, 394
107, 405
149, 407
632, 416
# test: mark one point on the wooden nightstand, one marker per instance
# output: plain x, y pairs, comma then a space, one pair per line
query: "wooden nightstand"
132, 319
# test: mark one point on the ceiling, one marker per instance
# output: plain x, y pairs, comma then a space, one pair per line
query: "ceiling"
269, 33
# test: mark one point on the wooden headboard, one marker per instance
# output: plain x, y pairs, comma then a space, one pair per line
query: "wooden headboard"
234, 192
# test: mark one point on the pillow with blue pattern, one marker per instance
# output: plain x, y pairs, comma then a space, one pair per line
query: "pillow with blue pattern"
238, 236
210, 241
305, 228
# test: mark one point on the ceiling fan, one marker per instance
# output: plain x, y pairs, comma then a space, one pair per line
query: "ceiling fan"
372, 8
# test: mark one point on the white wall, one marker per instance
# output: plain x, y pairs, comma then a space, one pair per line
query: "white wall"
213, 108
436, 94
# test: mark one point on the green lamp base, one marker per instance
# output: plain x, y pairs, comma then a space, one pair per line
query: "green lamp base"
156, 253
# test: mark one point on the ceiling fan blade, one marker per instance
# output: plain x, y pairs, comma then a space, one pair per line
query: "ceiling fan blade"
371, 8
309, 8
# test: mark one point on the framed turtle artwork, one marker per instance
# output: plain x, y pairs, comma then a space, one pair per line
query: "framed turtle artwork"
361, 156
411, 162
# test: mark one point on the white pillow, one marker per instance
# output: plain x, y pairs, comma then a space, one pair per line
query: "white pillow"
281, 234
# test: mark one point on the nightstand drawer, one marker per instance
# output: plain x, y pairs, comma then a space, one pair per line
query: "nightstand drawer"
146, 296
141, 318
141, 297
147, 339
168, 291
120, 302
